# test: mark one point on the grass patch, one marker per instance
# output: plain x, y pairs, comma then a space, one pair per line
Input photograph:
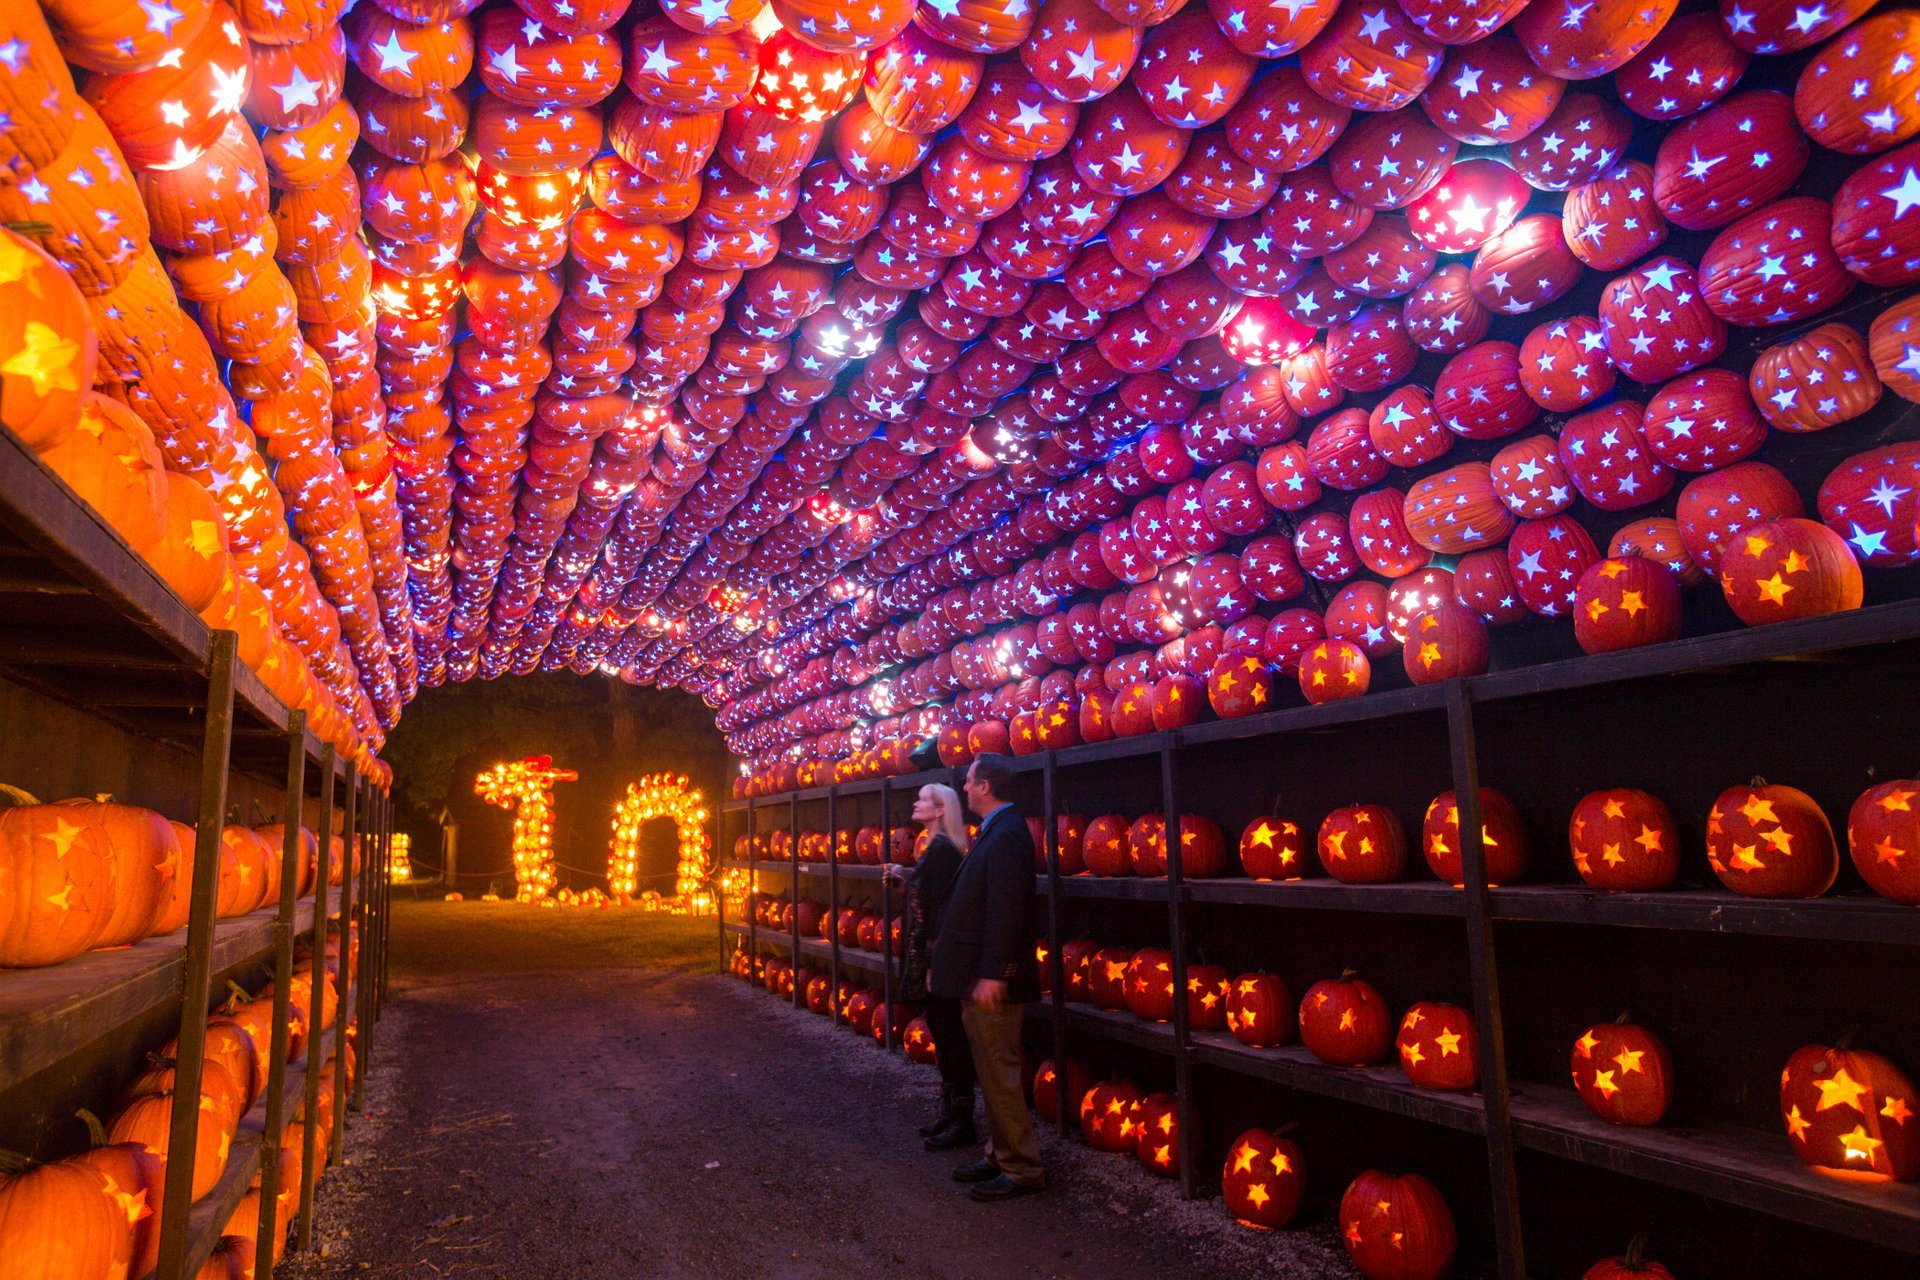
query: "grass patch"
434, 939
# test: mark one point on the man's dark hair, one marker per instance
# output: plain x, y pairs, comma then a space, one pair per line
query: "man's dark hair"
996, 771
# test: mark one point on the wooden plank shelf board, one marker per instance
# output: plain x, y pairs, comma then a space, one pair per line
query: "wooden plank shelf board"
1383, 1088
1425, 898
857, 871
1126, 888
817, 950
1739, 1166
47, 1014
1852, 919
1115, 1025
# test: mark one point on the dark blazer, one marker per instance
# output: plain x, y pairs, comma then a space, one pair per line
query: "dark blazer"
987, 928
929, 886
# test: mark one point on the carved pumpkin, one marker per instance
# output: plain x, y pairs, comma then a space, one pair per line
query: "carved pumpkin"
1208, 989
1105, 847
63, 1221
1625, 602
1107, 1114
1883, 836
146, 1118
1239, 685
1437, 1046
1149, 985
1396, 1228
1768, 841
1624, 841
1260, 1010
179, 898
1633, 1263
1623, 1072
1334, 669
1076, 959
1270, 850
136, 1179
1345, 1022
1851, 1113
1363, 844
1263, 1180
1444, 642
1107, 977
47, 338
918, 1041
1156, 1134
1046, 1098
1502, 837
1791, 568
61, 872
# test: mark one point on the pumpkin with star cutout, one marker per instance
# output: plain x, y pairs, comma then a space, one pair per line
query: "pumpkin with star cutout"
1851, 1113
1624, 841
1623, 1072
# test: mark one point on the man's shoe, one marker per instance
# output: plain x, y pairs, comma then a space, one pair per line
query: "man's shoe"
954, 1136
1004, 1188
943, 1120
981, 1170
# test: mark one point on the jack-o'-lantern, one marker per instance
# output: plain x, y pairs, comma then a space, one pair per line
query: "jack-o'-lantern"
1623, 1072
1883, 836
1503, 838
1270, 850
1264, 1179
1397, 1228
1363, 844
1437, 1046
1345, 1021
1768, 841
1260, 1010
1624, 841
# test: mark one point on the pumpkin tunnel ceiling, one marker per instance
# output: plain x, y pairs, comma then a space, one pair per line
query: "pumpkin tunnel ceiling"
868, 368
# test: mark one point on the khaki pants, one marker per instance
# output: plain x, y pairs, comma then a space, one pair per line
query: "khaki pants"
994, 1033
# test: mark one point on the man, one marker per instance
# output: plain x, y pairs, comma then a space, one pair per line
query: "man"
984, 957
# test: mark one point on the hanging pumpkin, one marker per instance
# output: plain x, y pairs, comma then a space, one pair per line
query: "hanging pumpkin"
1397, 1228
1345, 1021
1437, 1046
47, 336
1624, 841
1270, 850
1766, 841
1363, 844
1503, 838
1260, 1010
1264, 1179
1883, 836
1623, 1072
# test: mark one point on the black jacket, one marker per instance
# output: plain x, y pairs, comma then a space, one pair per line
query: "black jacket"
987, 928
929, 886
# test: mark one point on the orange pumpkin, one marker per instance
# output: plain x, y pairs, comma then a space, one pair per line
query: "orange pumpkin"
1850, 1113
1263, 1180
62, 1221
232, 1259
1816, 380
60, 880
1397, 1228
1345, 1022
1156, 1134
1503, 838
47, 337
1624, 841
1270, 850
1883, 837
1861, 93
84, 182
179, 898
166, 116
136, 1179
1457, 510
1363, 844
1334, 669
1623, 1072
1446, 641
1437, 1046
1791, 568
1633, 1263
1260, 1010
111, 461
146, 1120
1768, 841
1108, 1116
245, 875
141, 846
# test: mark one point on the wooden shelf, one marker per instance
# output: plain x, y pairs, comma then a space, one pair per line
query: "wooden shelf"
1383, 1087
1738, 1166
848, 871
1117, 1025
48, 1014
1850, 919
1127, 888
1414, 897
815, 950
85, 620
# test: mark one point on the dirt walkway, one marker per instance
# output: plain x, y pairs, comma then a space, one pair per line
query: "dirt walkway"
617, 1123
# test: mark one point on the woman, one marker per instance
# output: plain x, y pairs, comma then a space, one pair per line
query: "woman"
929, 884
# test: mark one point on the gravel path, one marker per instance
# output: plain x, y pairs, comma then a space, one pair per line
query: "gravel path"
611, 1124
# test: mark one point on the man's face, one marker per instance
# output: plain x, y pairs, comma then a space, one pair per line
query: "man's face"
977, 797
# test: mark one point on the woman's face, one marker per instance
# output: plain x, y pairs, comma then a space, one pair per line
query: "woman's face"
925, 807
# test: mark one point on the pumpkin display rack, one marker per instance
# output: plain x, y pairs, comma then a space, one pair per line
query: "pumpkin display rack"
96, 644
1820, 704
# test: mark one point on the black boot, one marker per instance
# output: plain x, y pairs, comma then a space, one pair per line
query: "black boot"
941, 1118
959, 1130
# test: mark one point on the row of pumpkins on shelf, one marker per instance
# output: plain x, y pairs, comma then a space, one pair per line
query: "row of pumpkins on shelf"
96, 1215
1846, 1110
1763, 840
855, 927
1394, 1228
89, 874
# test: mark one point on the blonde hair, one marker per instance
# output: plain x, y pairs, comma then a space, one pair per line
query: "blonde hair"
951, 822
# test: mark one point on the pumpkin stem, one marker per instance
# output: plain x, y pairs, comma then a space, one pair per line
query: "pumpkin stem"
12, 1162
1757, 782
1626, 1016
1291, 1126
1636, 1252
1348, 974
1847, 1037
96, 1132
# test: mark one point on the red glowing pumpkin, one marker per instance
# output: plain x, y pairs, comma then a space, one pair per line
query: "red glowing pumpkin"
1623, 1073
1397, 1228
1502, 837
1344, 1021
1624, 841
1437, 1046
